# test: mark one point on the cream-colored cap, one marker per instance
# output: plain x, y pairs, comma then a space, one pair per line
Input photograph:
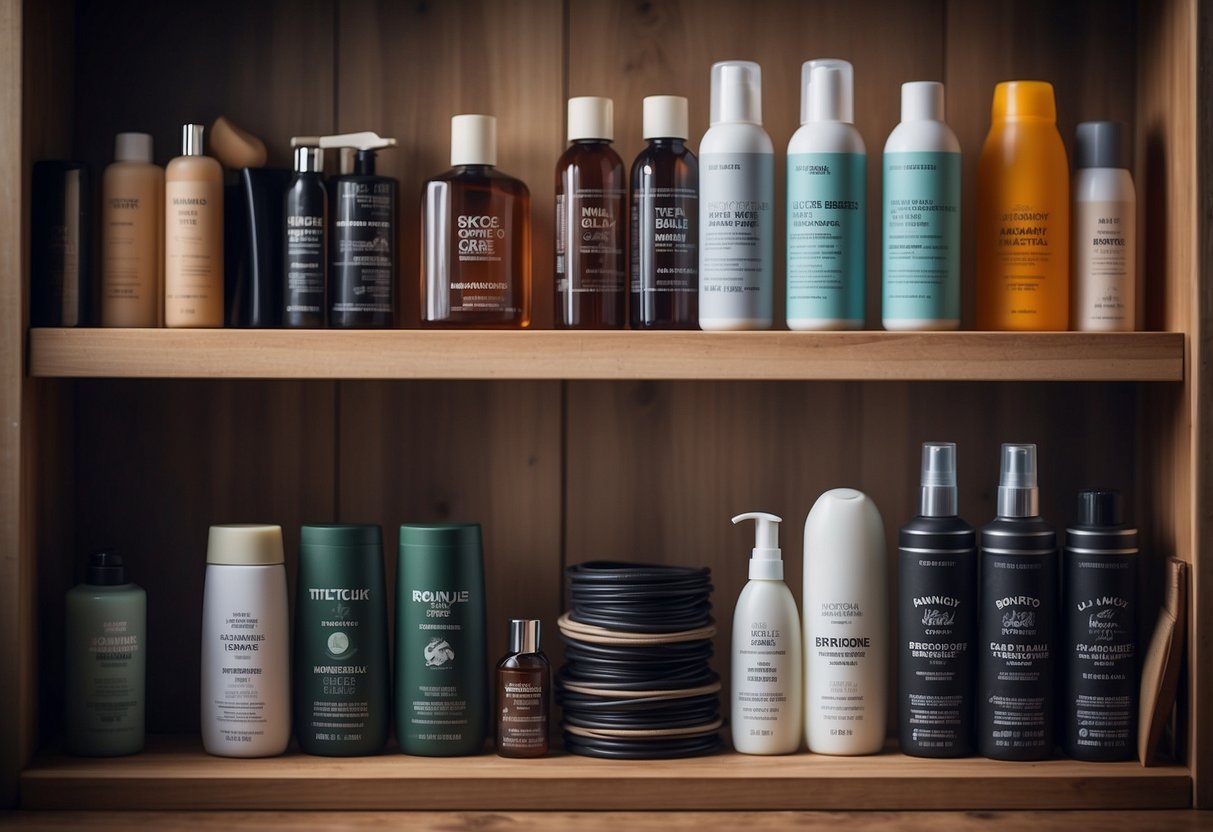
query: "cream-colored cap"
591, 117
245, 544
473, 140
665, 117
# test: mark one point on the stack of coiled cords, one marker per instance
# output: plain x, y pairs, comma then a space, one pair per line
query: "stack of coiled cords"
636, 683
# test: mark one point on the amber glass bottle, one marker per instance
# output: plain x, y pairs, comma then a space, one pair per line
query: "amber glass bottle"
524, 681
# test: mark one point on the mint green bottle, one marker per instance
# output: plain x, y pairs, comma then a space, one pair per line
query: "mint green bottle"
106, 638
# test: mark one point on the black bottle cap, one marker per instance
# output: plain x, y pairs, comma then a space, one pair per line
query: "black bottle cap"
1100, 507
1102, 144
105, 569
364, 163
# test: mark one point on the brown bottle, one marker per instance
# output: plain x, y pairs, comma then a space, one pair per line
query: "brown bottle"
524, 683
591, 217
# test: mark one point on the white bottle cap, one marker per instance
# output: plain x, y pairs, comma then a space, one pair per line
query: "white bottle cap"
473, 140
833, 99
765, 557
922, 101
736, 92
665, 117
591, 117
133, 147
245, 544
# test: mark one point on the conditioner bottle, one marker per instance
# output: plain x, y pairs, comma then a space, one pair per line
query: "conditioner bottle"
305, 243
1105, 229
132, 235
193, 236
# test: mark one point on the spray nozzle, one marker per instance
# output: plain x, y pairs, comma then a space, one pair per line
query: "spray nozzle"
765, 558
938, 479
1018, 495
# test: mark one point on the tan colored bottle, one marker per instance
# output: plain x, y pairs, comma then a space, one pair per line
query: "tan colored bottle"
193, 236
132, 235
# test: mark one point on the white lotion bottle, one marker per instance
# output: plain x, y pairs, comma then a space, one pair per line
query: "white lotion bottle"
736, 205
1104, 226
766, 701
846, 625
246, 693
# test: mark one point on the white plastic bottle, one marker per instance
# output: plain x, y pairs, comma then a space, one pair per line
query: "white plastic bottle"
846, 625
827, 203
246, 694
921, 243
766, 696
736, 201
1104, 225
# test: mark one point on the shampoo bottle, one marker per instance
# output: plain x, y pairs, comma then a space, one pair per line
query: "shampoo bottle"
1105, 229
921, 244
305, 243
937, 617
1015, 694
827, 203
766, 659
846, 625
1023, 213
193, 236
737, 193
106, 637
132, 235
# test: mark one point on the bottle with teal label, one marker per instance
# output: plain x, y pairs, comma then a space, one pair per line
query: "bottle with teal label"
827, 203
921, 244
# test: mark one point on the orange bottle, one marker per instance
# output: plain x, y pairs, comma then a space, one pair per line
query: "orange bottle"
1023, 214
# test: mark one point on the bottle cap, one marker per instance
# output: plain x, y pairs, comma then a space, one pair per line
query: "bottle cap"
736, 92
1100, 507
844, 525
1018, 495
1102, 144
1100, 525
938, 479
473, 140
105, 569
765, 558
342, 536
440, 535
524, 635
665, 117
922, 101
245, 544
309, 160
591, 117
1024, 100
833, 99
191, 139
133, 147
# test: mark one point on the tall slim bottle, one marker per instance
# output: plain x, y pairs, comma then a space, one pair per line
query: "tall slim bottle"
1015, 696
591, 222
193, 236
1105, 229
937, 617
305, 242
1023, 214
665, 221
132, 235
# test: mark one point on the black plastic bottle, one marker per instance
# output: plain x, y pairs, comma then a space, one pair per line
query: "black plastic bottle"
1099, 705
305, 242
1015, 696
937, 617
363, 241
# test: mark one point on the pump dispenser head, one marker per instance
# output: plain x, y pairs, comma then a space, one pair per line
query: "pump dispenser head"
938, 479
766, 562
922, 101
473, 140
191, 139
736, 92
309, 160
827, 96
1018, 495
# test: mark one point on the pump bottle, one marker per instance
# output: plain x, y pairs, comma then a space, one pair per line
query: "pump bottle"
305, 242
766, 692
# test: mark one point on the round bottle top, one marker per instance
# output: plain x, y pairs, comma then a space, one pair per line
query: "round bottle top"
191, 139
473, 140
524, 635
1100, 507
591, 117
1024, 100
665, 117
1018, 495
341, 536
1100, 524
245, 544
844, 523
309, 160
133, 147
736, 92
105, 569
922, 101
1102, 144
833, 99
440, 536
938, 496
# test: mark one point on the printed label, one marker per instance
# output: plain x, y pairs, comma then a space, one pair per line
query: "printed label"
193, 247
921, 236
439, 710
761, 696
363, 247
589, 241
1105, 260
524, 718
736, 234
305, 263
1026, 249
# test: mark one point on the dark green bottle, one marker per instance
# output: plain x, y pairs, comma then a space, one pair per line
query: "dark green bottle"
441, 657
342, 700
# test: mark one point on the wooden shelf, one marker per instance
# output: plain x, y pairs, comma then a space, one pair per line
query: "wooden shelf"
176, 774
413, 354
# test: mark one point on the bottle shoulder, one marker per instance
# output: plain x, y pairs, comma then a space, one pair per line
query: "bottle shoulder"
107, 593
1103, 185
735, 137
590, 153
765, 593
827, 137
922, 137
194, 169
534, 662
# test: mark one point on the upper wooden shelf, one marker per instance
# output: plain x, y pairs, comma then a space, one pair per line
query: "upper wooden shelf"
548, 354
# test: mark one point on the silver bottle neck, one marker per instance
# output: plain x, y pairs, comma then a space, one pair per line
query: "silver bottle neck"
524, 635
191, 140
938, 501
1018, 502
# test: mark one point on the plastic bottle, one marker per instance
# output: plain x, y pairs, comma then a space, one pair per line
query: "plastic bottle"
766, 695
305, 244
1105, 229
193, 236
1023, 214
921, 243
827, 203
132, 235
736, 199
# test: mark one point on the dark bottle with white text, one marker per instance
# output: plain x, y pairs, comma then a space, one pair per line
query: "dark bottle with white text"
591, 222
937, 621
665, 221
305, 242
524, 683
1099, 706
1015, 697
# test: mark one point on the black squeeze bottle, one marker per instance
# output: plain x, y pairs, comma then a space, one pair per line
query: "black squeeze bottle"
1015, 699
937, 617
305, 242
1099, 704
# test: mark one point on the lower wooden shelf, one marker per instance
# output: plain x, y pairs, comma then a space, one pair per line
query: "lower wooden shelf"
175, 774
